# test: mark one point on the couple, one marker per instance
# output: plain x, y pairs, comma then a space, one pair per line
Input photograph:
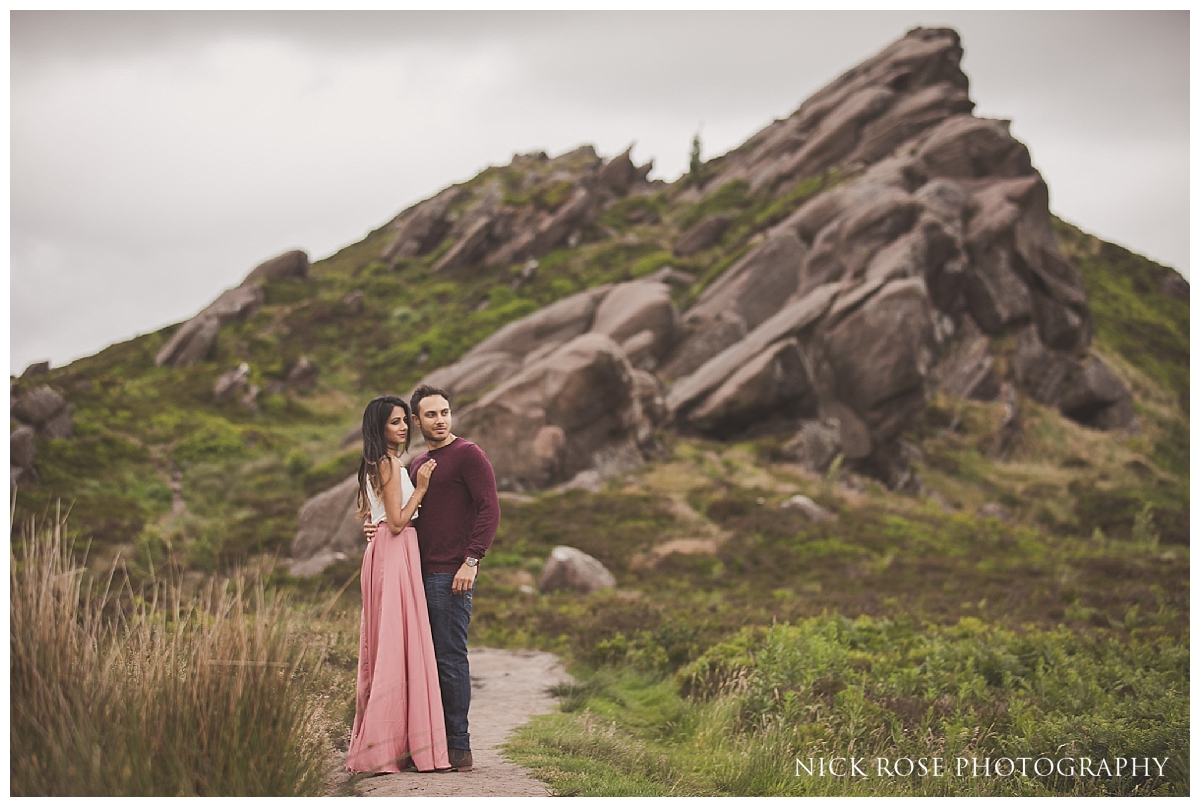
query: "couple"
414, 685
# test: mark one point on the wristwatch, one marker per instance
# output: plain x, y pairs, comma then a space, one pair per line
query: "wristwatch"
472, 561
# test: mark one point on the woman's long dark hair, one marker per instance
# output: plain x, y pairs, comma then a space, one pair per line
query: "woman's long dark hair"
375, 448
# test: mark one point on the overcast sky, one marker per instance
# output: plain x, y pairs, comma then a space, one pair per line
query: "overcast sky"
156, 157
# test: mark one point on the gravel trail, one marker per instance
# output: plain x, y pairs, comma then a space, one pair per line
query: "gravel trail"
507, 688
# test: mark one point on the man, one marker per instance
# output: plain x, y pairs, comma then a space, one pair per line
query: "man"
459, 517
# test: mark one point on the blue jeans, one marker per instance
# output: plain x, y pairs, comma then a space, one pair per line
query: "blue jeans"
449, 616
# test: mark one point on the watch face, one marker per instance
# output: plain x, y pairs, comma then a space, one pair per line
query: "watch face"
472, 561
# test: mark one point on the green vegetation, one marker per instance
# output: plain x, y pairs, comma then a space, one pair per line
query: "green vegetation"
1132, 317
736, 721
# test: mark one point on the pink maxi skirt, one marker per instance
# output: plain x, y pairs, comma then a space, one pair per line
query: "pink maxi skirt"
398, 713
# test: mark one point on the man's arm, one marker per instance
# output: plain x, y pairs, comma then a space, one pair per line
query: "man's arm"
481, 482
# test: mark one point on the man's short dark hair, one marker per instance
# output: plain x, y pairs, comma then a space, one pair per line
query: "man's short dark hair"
422, 392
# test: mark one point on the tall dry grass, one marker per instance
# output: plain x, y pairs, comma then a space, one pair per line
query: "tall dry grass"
117, 692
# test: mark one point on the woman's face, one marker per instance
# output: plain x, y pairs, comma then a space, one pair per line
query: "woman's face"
395, 429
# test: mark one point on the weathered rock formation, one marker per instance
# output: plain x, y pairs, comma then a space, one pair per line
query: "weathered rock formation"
38, 411
574, 570
39, 368
329, 529
916, 235
45, 410
553, 200
939, 225
194, 339
22, 451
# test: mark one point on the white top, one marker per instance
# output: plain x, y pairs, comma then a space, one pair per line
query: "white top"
378, 513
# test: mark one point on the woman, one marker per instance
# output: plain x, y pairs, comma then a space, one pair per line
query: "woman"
398, 720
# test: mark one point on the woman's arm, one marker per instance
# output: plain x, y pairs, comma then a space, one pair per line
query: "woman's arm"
398, 514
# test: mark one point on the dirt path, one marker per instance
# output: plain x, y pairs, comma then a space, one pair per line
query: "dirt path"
507, 688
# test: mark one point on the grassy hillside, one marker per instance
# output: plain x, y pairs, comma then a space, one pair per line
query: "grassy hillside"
245, 474
911, 625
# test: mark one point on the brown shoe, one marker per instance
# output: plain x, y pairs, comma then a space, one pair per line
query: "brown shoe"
460, 760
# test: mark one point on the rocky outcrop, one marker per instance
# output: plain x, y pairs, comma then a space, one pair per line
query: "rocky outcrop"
499, 226
288, 266
551, 420
194, 339
44, 409
574, 570
328, 530
942, 227
39, 411
637, 315
861, 117
746, 295
35, 369
22, 450
912, 247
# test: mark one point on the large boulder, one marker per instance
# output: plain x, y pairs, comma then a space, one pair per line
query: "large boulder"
35, 369
38, 406
881, 354
194, 339
231, 383
574, 570
745, 296
328, 530
552, 326
1094, 396
632, 309
966, 147
570, 406
637, 315
794, 320
1040, 372
774, 383
1172, 284
22, 450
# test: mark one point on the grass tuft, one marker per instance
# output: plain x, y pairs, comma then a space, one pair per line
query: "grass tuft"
156, 692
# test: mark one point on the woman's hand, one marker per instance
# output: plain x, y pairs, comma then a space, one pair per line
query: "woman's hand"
369, 530
423, 474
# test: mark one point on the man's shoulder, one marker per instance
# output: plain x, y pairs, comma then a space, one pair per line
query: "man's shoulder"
471, 448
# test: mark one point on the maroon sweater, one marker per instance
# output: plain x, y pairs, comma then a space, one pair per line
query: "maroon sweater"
460, 511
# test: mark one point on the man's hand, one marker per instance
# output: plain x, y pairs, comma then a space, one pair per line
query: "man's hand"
369, 531
464, 579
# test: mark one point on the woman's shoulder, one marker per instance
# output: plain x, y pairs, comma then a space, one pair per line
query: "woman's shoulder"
388, 465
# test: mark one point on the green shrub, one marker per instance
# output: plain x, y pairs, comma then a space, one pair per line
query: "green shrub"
211, 440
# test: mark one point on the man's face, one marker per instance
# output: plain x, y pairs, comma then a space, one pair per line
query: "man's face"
433, 418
